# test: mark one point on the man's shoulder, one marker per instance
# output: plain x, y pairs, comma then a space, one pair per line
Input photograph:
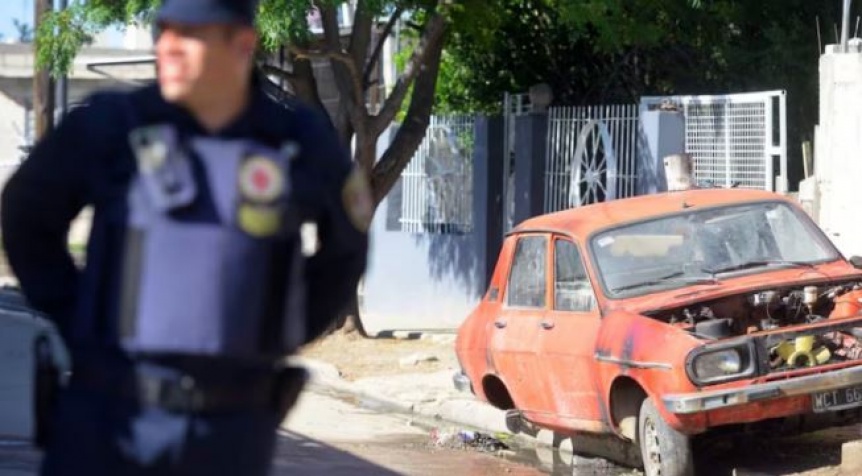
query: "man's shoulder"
296, 117
111, 109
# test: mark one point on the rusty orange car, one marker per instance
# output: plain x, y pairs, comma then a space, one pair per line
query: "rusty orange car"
657, 319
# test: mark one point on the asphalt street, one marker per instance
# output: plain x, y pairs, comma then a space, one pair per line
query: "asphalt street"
326, 435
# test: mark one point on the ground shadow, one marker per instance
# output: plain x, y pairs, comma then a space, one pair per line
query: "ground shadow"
295, 454
454, 256
775, 455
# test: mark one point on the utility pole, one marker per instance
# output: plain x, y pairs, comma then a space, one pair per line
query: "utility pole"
43, 85
63, 83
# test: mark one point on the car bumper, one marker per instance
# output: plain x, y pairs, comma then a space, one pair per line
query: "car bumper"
688, 403
462, 383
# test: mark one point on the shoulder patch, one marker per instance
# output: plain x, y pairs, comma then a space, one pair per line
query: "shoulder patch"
356, 195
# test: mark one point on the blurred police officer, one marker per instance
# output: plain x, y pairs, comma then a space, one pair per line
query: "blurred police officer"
195, 286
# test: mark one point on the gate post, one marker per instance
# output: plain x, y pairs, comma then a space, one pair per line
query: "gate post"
663, 134
488, 156
531, 145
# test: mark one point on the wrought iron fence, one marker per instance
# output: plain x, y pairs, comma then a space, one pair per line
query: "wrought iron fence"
591, 155
435, 191
735, 139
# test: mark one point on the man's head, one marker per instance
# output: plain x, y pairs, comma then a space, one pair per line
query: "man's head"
204, 48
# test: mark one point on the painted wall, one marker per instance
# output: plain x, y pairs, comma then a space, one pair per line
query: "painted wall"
419, 281
838, 167
430, 280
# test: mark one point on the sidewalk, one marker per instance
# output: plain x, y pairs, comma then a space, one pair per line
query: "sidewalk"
430, 395
379, 373
409, 376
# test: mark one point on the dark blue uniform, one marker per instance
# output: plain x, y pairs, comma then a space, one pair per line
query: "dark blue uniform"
133, 407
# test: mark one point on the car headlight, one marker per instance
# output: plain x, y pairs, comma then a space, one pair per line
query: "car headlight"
718, 364
721, 362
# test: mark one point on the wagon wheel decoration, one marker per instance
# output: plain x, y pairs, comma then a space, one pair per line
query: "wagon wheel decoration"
594, 168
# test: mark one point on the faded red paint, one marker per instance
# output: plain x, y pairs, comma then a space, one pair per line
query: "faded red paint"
554, 374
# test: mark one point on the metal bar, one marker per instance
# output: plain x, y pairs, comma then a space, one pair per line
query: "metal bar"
782, 138
550, 159
845, 26
727, 145
120, 62
769, 182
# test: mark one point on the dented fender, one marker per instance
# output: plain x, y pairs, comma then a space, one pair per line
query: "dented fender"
652, 354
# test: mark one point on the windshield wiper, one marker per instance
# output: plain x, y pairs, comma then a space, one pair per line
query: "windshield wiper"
677, 277
759, 263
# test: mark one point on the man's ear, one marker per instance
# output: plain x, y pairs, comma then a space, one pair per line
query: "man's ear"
246, 41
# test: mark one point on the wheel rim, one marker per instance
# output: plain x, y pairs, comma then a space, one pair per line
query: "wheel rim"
593, 170
652, 448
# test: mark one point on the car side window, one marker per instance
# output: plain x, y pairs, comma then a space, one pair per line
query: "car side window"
572, 290
528, 273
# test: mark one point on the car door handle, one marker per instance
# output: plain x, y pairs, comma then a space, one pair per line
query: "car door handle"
499, 324
547, 324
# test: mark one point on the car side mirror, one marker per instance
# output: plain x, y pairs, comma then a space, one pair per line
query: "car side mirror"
856, 261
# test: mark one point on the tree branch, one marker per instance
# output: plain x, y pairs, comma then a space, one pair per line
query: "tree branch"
378, 48
303, 82
347, 76
360, 36
411, 133
431, 39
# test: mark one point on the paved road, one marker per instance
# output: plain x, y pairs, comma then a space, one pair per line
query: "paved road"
327, 436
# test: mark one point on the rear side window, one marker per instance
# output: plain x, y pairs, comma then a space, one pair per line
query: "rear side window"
572, 290
527, 279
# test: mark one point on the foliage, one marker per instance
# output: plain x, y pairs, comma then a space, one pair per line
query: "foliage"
612, 51
23, 31
353, 56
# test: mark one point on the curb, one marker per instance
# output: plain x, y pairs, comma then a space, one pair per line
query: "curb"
466, 412
327, 376
473, 414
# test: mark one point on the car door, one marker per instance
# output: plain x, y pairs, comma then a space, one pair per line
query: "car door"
568, 337
515, 331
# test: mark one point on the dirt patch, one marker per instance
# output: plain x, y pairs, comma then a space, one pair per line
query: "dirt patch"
357, 357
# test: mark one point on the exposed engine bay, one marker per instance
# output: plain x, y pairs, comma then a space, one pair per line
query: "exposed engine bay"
774, 311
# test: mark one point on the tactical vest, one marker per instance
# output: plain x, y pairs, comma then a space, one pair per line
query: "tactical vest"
205, 282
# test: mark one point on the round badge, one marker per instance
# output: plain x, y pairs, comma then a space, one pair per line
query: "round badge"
261, 179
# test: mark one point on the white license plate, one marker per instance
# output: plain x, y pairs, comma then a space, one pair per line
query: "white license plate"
838, 399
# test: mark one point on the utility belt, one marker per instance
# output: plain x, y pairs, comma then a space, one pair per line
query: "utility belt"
185, 394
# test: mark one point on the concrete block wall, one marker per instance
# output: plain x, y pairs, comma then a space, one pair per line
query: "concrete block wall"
838, 165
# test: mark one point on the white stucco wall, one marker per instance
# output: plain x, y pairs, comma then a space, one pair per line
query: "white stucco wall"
838, 158
11, 135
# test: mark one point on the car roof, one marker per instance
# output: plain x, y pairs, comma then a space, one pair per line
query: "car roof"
585, 220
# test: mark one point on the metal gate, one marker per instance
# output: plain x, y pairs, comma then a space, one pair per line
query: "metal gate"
514, 105
735, 139
591, 155
436, 194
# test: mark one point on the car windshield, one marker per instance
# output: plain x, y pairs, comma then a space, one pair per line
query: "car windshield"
703, 246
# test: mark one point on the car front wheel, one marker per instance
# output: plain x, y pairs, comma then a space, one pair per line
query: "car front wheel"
665, 451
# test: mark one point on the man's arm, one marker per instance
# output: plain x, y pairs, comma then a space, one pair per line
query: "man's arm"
38, 204
344, 211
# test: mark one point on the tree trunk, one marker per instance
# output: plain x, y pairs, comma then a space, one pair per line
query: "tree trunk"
304, 83
412, 131
349, 322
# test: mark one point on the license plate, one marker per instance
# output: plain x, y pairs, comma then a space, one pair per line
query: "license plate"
838, 399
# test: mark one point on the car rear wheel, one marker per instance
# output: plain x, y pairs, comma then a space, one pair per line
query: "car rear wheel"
665, 451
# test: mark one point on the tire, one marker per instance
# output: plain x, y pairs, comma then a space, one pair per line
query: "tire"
665, 451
